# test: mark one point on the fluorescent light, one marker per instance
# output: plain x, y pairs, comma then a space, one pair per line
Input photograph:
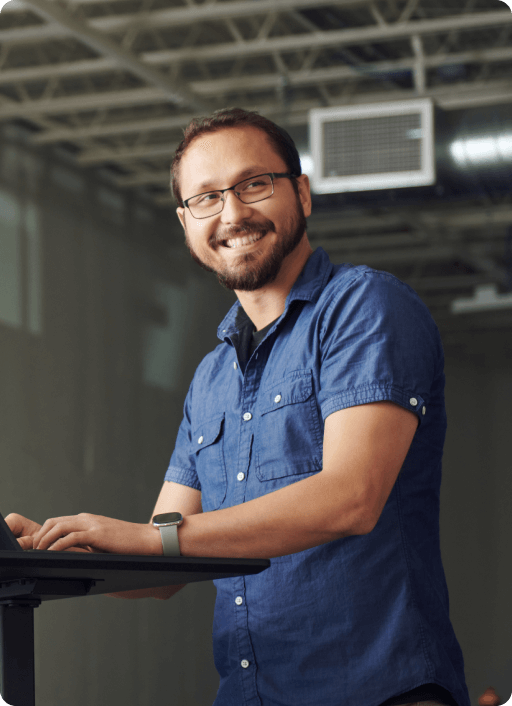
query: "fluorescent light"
482, 150
307, 164
485, 298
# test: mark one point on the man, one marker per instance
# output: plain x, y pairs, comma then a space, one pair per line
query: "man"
312, 435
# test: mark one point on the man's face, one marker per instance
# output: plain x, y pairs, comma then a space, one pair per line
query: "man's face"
245, 244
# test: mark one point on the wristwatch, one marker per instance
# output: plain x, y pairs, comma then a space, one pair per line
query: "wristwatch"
168, 524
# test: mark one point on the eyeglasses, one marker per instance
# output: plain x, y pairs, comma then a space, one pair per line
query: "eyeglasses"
257, 188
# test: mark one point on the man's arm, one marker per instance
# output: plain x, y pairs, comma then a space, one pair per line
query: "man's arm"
173, 498
364, 449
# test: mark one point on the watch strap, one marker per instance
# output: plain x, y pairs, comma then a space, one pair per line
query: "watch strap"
170, 544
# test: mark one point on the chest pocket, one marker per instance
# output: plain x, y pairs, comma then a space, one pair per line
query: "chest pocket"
289, 432
208, 447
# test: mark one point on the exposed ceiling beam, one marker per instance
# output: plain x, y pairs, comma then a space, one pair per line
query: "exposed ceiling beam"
383, 258
449, 282
343, 37
126, 154
262, 81
144, 178
174, 91
174, 17
386, 258
478, 257
450, 96
83, 102
112, 129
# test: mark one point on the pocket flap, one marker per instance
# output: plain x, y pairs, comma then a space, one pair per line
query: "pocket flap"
295, 387
207, 433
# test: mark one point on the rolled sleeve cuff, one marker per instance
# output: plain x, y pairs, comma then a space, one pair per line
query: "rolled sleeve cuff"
365, 394
183, 476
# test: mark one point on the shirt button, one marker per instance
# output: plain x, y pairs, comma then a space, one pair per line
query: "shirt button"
239, 600
200, 440
247, 416
240, 476
235, 366
424, 409
244, 663
413, 402
277, 398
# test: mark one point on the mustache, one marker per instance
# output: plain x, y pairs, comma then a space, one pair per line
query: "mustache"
221, 235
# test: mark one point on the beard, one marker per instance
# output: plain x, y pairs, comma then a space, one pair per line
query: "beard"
248, 273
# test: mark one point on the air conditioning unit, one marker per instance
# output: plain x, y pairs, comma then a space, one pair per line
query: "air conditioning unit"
377, 146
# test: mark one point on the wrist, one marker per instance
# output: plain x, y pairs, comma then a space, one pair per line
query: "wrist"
154, 541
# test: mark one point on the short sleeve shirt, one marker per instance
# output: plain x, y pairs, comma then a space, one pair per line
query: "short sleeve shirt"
359, 619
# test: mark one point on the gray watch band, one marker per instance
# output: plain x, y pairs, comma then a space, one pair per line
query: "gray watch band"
170, 542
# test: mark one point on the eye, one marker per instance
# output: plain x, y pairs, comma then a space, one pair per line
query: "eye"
255, 184
208, 198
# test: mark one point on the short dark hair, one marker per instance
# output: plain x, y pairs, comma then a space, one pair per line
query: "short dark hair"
236, 117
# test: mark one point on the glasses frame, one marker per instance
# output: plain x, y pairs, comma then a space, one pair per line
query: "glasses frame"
272, 175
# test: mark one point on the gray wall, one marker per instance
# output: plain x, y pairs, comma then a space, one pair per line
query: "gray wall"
103, 319
476, 532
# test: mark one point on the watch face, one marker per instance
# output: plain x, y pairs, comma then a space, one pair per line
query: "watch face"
168, 517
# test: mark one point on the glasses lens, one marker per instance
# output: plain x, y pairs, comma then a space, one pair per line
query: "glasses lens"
206, 205
255, 189
248, 191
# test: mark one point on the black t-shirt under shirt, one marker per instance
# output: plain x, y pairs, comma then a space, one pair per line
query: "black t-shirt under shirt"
246, 342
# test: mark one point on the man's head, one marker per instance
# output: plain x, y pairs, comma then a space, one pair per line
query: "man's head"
245, 244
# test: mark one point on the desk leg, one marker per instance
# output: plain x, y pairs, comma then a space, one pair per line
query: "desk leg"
17, 654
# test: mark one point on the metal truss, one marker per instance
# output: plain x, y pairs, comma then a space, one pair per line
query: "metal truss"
118, 80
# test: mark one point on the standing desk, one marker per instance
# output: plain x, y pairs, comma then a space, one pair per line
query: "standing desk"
29, 577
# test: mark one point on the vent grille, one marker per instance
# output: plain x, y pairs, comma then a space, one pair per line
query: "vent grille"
373, 147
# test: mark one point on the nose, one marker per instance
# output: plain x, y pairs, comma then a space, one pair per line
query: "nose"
234, 210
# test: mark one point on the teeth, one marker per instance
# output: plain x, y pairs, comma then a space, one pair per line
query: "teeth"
246, 240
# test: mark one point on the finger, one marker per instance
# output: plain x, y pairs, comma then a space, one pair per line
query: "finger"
50, 525
55, 529
20, 526
25, 542
70, 541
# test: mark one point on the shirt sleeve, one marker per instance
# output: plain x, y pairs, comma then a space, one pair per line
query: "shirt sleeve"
379, 342
182, 464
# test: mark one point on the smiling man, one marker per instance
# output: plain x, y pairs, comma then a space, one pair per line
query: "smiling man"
312, 435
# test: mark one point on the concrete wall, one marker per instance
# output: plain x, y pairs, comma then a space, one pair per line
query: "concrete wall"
103, 319
476, 494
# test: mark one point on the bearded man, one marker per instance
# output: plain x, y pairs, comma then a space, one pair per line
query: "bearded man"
312, 435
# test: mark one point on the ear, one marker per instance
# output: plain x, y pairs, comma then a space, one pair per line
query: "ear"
181, 215
304, 193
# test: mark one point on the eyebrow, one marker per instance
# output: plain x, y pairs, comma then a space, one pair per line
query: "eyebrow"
250, 171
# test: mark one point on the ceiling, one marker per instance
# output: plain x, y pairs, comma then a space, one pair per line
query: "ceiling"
116, 81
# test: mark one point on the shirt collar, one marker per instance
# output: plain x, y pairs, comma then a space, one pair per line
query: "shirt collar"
307, 287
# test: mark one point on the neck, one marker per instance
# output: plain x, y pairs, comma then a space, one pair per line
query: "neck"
267, 304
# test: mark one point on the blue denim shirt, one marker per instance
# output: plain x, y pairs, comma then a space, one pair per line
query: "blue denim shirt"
363, 618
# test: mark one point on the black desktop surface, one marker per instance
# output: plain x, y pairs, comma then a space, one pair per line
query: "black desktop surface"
62, 574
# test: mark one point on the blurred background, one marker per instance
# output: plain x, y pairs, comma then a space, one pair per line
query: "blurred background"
402, 113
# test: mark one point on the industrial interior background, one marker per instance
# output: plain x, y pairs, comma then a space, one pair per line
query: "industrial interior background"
104, 317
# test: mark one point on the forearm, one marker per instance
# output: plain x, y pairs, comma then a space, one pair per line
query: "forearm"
161, 592
313, 511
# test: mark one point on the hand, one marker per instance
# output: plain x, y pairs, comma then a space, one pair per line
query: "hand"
98, 534
23, 529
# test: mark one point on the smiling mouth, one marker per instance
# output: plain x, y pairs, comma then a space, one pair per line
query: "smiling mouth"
243, 240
